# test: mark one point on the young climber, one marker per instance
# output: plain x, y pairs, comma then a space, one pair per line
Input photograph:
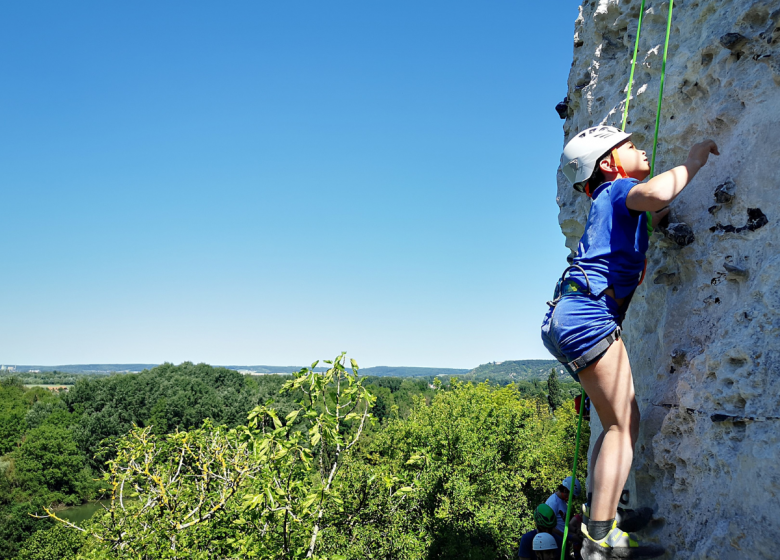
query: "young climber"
582, 327
559, 501
544, 519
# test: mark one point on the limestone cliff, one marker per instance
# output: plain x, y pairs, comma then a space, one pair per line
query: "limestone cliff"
702, 331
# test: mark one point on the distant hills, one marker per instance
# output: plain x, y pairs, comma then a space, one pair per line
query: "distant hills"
513, 371
386, 371
84, 368
499, 372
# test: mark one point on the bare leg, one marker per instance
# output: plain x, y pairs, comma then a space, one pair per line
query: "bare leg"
594, 456
610, 386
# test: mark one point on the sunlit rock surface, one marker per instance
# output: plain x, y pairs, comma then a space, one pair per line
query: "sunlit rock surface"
703, 329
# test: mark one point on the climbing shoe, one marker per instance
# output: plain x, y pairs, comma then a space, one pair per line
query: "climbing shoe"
617, 544
628, 520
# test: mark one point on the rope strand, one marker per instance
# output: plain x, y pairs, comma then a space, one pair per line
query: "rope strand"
633, 65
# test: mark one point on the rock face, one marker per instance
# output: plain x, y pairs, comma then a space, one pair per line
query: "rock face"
703, 329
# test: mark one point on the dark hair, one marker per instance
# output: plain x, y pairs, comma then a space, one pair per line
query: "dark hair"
562, 488
598, 179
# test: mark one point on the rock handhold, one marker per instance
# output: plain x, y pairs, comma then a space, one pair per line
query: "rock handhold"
756, 220
679, 356
732, 41
725, 192
735, 270
562, 108
666, 278
680, 233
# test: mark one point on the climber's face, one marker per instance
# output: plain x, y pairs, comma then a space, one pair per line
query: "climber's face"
632, 159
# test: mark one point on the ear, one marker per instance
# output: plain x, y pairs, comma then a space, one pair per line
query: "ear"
607, 165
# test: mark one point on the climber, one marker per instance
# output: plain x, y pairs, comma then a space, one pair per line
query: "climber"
544, 518
582, 327
559, 500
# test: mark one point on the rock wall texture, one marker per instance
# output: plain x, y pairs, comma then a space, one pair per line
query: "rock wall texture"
702, 331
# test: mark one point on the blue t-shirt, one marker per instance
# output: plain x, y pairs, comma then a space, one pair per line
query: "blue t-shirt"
526, 549
612, 249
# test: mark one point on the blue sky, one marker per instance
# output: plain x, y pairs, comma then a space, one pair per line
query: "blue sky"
275, 182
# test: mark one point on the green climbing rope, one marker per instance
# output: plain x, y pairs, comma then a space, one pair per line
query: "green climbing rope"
649, 225
661, 90
573, 485
633, 65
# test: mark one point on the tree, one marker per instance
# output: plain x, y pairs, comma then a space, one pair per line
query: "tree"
554, 393
60, 542
49, 465
13, 409
478, 459
255, 491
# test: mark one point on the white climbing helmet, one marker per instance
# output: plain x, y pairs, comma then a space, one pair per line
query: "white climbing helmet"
545, 541
567, 484
579, 158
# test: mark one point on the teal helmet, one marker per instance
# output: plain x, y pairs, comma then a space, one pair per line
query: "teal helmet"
544, 517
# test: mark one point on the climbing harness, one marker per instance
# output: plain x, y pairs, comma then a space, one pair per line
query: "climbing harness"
566, 287
649, 228
595, 352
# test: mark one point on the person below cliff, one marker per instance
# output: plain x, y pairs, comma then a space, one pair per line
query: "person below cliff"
544, 519
559, 502
582, 327
546, 547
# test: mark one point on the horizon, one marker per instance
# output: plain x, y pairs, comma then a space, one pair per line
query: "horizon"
233, 365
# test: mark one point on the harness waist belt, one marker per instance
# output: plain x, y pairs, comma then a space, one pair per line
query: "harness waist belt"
594, 352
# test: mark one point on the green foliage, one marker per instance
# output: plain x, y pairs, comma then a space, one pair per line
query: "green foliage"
42, 464
450, 470
478, 460
16, 525
395, 396
48, 466
256, 491
173, 397
13, 408
554, 393
60, 542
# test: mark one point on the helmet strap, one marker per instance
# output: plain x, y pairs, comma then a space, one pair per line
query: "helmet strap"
619, 166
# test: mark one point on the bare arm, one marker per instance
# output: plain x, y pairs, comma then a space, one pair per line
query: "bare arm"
664, 188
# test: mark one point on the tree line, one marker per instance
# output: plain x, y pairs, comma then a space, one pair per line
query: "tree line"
424, 468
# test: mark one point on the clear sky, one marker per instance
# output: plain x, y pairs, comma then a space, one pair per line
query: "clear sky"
275, 182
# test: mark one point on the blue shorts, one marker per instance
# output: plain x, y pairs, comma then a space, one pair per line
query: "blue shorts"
576, 324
